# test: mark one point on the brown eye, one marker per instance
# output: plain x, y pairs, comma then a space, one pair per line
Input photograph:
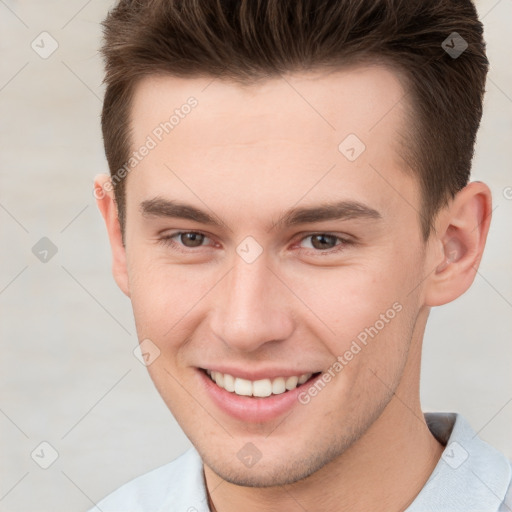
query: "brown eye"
191, 239
183, 240
325, 244
323, 241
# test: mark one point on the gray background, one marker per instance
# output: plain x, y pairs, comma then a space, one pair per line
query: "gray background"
69, 376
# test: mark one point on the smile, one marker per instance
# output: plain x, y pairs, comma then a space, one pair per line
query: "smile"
258, 388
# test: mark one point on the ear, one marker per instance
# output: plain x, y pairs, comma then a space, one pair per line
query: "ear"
104, 194
461, 232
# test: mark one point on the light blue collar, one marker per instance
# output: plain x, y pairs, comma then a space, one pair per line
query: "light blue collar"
471, 475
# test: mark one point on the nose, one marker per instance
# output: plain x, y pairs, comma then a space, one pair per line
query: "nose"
252, 307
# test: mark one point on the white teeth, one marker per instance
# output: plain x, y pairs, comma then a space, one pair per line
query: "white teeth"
304, 378
291, 382
278, 386
259, 388
229, 383
219, 378
243, 387
262, 388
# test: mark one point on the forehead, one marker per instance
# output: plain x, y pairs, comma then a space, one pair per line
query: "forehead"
271, 134
355, 99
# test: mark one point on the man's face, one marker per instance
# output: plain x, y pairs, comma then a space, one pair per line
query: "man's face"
261, 292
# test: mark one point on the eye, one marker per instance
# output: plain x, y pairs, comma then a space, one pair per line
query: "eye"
188, 239
327, 243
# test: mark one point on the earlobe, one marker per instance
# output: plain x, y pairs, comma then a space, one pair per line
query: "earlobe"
462, 230
104, 194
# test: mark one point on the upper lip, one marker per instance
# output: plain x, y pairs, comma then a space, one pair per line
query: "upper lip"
258, 374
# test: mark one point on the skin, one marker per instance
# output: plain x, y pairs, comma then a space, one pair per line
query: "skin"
246, 154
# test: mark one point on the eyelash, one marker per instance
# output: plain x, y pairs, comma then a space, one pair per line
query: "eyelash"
339, 247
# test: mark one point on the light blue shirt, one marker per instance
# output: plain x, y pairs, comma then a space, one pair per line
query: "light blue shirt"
471, 476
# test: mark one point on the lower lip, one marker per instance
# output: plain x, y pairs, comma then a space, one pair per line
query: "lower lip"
253, 409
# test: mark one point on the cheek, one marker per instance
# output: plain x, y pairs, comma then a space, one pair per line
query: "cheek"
166, 298
349, 299
362, 314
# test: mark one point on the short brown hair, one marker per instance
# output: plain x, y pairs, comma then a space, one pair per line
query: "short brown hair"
246, 40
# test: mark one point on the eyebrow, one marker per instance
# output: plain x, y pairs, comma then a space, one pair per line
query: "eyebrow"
341, 210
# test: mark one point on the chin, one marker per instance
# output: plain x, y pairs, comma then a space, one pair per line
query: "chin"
269, 473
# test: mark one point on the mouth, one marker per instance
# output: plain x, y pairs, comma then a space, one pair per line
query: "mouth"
255, 401
261, 388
